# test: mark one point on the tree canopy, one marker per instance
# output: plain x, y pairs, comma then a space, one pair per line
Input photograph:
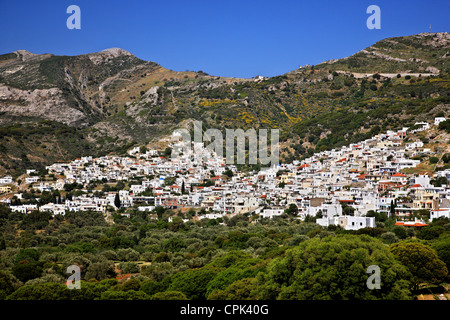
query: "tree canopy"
334, 268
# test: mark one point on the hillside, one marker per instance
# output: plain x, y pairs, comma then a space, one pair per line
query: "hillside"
62, 107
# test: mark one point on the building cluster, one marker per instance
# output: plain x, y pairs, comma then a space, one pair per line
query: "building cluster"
338, 187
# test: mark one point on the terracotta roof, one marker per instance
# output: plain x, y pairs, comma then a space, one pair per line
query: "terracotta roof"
416, 224
398, 174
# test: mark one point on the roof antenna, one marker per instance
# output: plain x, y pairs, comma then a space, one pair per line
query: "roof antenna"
430, 28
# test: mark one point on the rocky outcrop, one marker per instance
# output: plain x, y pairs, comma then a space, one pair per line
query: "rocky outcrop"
46, 104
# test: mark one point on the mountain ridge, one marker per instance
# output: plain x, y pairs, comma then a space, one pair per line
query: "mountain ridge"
110, 100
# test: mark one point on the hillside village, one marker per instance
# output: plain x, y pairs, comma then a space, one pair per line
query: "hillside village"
343, 187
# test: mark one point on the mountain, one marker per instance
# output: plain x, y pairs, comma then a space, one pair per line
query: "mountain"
56, 108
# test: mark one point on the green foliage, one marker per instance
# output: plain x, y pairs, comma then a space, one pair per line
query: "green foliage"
333, 268
158, 271
421, 260
243, 289
25, 270
203, 261
129, 267
433, 160
430, 232
28, 254
193, 282
44, 291
244, 268
442, 248
8, 284
174, 244
445, 125
169, 295
100, 270
124, 295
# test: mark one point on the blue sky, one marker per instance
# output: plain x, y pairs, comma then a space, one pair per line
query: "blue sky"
242, 38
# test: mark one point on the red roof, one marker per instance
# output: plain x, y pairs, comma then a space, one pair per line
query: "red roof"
304, 166
416, 186
416, 224
398, 174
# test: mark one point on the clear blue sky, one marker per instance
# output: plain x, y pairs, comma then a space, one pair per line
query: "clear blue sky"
238, 38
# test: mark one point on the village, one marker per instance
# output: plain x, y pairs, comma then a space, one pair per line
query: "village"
341, 187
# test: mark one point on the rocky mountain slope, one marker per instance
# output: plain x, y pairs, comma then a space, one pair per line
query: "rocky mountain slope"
60, 107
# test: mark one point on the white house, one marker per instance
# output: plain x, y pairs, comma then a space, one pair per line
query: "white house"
53, 208
327, 209
137, 188
31, 179
439, 213
270, 213
348, 222
423, 126
438, 120
24, 208
6, 180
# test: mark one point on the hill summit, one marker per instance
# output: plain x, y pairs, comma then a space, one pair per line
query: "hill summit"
111, 100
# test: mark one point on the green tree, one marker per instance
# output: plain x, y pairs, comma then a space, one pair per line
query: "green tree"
167, 152
124, 295
143, 149
292, 209
28, 254
245, 268
8, 284
43, 291
438, 182
434, 160
117, 201
243, 289
151, 287
192, 282
25, 270
430, 232
100, 270
421, 260
158, 271
400, 231
174, 244
334, 268
131, 284
169, 295
228, 173
379, 216
442, 248
129, 267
